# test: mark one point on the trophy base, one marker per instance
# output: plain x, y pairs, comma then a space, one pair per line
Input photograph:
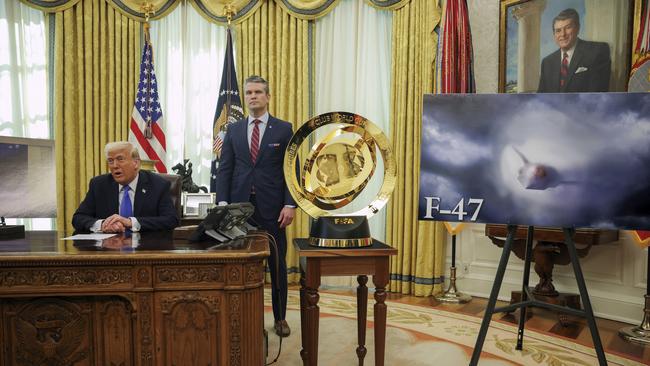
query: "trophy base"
340, 232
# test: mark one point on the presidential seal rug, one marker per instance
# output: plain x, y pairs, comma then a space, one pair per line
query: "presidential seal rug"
419, 336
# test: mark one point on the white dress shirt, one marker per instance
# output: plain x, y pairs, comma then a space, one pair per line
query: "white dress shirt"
262, 127
569, 54
135, 225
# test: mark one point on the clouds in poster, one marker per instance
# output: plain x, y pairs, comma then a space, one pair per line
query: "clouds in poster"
539, 159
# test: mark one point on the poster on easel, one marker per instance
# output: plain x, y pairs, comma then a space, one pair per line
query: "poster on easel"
568, 160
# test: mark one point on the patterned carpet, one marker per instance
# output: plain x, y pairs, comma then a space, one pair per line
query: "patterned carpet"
419, 336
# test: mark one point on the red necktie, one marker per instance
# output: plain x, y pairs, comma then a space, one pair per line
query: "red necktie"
564, 70
255, 140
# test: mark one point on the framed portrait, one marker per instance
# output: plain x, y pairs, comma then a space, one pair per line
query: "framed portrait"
192, 201
565, 45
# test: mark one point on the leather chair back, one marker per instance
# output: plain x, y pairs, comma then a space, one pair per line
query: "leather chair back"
174, 191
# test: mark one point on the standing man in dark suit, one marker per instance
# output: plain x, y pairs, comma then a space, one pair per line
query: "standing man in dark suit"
578, 66
250, 170
126, 198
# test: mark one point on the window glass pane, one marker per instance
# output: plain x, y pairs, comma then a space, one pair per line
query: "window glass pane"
23, 78
23, 105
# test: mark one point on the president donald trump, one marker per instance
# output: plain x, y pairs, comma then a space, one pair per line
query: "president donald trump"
250, 170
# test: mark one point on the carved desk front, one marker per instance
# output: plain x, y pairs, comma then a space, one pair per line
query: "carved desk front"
118, 302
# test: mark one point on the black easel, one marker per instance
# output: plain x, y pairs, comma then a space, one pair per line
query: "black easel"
528, 299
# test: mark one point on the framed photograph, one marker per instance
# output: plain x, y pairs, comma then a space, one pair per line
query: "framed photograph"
556, 46
191, 202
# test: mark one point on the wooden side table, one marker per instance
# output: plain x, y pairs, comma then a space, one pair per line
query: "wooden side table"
316, 262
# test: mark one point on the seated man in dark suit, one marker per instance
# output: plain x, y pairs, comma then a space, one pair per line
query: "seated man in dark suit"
578, 65
126, 198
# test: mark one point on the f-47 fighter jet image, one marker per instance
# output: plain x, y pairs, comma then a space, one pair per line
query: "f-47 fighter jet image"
538, 176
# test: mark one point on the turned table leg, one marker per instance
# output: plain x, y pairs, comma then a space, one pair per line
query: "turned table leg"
380, 280
362, 312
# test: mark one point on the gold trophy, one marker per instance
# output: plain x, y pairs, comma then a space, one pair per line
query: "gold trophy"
334, 171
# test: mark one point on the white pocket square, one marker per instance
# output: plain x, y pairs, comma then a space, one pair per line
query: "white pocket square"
581, 69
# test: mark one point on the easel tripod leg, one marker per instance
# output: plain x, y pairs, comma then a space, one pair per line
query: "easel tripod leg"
584, 295
524, 287
507, 248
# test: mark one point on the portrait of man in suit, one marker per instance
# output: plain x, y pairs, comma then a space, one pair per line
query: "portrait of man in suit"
250, 170
126, 198
535, 36
578, 65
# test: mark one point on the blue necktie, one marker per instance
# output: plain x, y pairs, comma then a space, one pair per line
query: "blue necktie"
126, 208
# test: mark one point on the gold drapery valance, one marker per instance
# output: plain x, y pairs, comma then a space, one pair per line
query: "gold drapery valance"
308, 9
133, 8
387, 4
51, 6
214, 10
130, 8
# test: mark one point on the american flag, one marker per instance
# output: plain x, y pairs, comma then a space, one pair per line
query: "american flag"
146, 130
229, 108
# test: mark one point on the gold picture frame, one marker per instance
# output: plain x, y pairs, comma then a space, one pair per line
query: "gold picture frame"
526, 37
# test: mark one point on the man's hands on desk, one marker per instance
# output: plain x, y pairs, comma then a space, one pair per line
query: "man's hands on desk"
116, 224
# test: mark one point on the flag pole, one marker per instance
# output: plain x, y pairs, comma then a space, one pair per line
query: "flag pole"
229, 108
146, 130
148, 10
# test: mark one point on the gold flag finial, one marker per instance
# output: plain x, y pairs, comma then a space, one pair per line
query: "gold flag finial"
229, 12
147, 9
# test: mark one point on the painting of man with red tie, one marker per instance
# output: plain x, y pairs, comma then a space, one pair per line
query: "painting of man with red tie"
578, 65
564, 46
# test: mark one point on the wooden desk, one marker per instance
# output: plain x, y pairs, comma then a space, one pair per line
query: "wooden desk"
190, 220
316, 262
121, 302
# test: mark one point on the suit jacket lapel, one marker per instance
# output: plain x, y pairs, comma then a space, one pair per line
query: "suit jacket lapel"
243, 140
140, 193
113, 199
555, 73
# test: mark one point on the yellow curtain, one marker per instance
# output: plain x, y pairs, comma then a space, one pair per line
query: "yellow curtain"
273, 44
418, 267
96, 61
